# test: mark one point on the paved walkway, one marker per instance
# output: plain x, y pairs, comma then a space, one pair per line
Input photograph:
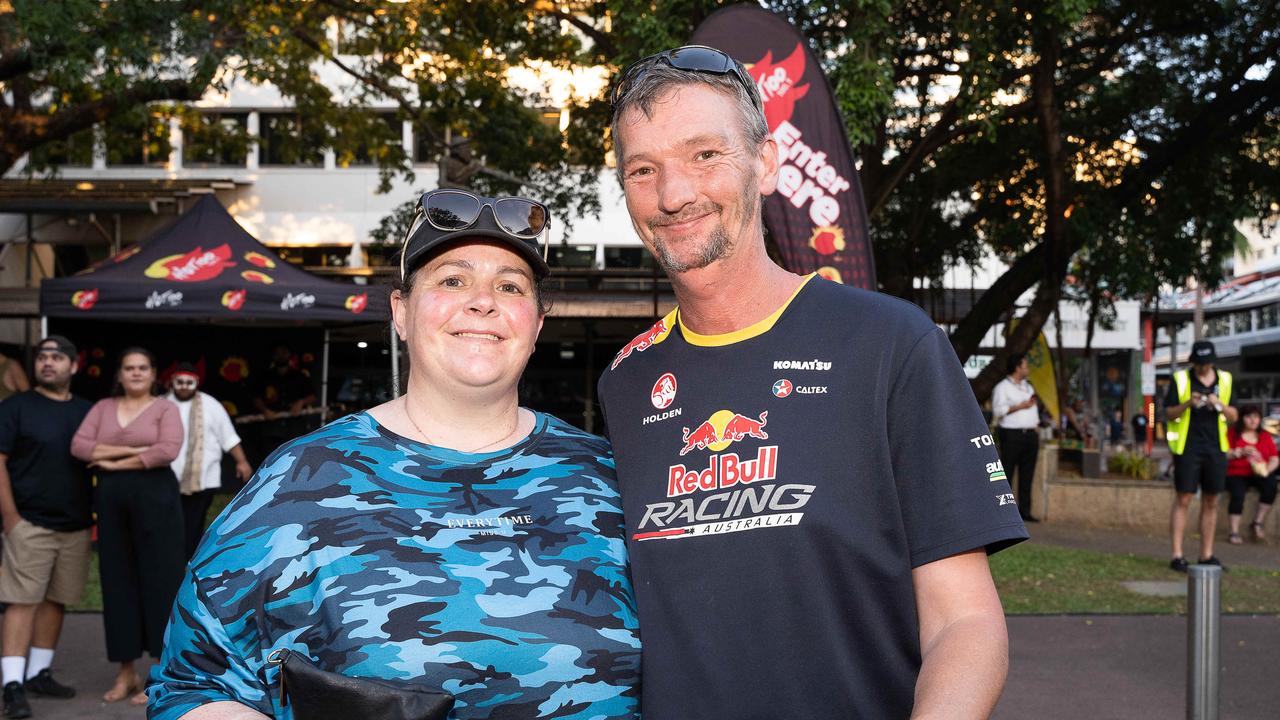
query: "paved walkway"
1061, 667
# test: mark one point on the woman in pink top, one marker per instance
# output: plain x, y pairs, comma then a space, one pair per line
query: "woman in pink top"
129, 441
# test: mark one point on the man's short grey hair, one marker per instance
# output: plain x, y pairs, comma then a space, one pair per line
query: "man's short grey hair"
659, 79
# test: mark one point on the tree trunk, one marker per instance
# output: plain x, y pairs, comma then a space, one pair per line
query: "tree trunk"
1057, 247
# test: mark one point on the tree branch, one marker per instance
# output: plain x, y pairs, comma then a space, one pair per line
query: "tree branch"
602, 39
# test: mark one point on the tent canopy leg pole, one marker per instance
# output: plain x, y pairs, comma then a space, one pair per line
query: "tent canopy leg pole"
395, 363
324, 381
44, 326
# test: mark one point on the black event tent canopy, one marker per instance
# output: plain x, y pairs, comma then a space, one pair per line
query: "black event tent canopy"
205, 266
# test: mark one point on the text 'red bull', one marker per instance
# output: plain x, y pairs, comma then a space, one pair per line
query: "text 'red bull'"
723, 471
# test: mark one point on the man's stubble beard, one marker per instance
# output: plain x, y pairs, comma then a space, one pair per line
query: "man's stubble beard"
717, 245
57, 387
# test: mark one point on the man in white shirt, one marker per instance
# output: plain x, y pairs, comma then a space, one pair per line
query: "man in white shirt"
207, 433
1013, 407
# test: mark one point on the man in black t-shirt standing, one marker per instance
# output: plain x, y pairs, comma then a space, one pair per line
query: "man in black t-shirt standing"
45, 497
1198, 408
809, 488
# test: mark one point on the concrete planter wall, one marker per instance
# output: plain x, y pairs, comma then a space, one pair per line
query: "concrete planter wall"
1130, 504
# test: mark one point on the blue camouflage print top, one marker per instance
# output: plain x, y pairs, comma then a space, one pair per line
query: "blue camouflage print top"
499, 577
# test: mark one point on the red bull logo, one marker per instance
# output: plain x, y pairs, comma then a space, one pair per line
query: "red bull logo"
196, 266
257, 259
258, 277
722, 429
357, 303
234, 299
645, 340
778, 84
84, 299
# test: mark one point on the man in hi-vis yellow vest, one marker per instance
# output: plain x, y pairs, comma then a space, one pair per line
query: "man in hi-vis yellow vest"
1198, 409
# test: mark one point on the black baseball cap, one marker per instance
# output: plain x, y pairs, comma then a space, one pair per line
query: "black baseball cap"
1202, 352
58, 343
427, 239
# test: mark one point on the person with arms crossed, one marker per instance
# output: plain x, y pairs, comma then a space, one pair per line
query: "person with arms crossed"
810, 507
129, 439
1017, 419
1198, 409
45, 499
207, 433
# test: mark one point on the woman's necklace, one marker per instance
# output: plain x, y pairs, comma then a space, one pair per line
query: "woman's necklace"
430, 441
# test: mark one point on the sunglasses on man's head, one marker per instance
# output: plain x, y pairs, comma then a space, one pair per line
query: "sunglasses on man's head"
694, 58
451, 210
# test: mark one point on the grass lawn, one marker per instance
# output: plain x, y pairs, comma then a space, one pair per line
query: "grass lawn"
1040, 579
1036, 579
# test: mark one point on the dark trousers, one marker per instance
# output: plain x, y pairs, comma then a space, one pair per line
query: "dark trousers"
195, 508
1018, 450
1238, 485
140, 558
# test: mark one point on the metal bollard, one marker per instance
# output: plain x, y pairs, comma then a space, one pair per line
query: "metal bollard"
1204, 618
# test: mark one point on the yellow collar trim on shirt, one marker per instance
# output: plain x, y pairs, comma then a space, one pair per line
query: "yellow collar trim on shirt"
755, 329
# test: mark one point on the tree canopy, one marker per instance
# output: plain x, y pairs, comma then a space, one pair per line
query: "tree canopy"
1109, 143
123, 65
1106, 146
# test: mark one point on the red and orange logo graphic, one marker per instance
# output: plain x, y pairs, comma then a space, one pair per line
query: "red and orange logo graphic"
234, 299
722, 429
645, 340
258, 277
826, 272
234, 369
827, 239
357, 303
196, 266
84, 299
664, 391
778, 85
257, 259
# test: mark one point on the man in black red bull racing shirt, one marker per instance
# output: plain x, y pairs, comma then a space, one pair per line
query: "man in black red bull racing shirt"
807, 481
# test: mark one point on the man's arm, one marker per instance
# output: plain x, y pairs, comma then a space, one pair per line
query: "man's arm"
963, 639
1000, 402
244, 470
8, 507
16, 378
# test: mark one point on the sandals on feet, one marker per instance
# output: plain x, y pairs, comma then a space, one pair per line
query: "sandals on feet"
1258, 533
120, 691
1235, 539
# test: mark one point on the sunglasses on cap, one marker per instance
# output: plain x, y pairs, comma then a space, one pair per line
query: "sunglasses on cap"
694, 58
453, 211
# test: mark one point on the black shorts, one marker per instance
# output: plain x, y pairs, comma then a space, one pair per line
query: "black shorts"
1204, 469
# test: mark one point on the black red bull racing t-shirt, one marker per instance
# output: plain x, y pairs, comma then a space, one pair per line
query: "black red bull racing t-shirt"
779, 485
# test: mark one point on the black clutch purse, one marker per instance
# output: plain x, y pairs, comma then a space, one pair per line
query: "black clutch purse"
317, 694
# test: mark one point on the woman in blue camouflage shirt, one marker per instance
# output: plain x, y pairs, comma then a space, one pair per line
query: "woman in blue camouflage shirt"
448, 537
